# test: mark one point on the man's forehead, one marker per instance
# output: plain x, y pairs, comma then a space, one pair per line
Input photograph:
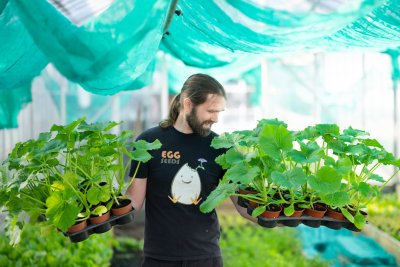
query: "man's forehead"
215, 101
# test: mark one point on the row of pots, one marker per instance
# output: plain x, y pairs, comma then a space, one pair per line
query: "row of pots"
100, 224
316, 217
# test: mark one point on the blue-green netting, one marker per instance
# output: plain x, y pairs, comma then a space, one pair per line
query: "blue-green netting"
344, 248
114, 51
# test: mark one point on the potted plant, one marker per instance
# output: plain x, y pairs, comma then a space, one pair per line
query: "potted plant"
71, 172
312, 168
360, 158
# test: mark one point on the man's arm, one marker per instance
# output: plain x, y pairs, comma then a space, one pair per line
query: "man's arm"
137, 193
242, 211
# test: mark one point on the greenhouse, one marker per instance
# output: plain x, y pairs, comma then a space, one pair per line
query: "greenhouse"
236, 133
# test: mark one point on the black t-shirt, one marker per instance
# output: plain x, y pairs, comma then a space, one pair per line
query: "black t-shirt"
180, 176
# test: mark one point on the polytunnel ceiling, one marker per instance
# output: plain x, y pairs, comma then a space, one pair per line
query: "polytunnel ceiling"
111, 45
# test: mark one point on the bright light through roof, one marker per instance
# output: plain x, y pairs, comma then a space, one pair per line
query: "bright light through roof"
81, 11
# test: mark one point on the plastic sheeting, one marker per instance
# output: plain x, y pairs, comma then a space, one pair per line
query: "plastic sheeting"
344, 248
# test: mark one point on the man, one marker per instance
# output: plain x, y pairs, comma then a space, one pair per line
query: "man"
179, 177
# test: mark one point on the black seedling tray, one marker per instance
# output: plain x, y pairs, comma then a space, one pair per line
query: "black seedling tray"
101, 227
306, 220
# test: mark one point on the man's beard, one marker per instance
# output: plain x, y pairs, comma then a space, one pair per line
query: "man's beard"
196, 125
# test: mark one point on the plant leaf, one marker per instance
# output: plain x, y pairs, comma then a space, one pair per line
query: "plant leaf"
225, 140
336, 199
343, 166
100, 210
377, 178
221, 160
242, 173
359, 220
347, 214
291, 179
274, 139
234, 157
324, 129
144, 145
62, 209
219, 194
371, 142
354, 132
258, 211
326, 180
140, 155
309, 133
93, 195
289, 210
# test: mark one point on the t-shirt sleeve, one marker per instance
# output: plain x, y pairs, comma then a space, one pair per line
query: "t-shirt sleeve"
143, 169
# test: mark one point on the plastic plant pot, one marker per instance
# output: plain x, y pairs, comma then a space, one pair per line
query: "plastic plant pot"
127, 218
268, 223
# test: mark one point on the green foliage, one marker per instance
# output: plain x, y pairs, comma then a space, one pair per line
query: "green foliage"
71, 172
126, 244
384, 212
301, 168
55, 250
246, 245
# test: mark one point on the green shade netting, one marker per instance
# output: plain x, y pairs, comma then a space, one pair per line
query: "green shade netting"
212, 33
113, 51
12, 101
180, 72
344, 248
20, 60
105, 55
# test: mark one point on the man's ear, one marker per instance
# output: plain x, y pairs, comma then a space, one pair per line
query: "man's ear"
187, 104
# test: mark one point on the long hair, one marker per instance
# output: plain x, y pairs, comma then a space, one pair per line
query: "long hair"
197, 88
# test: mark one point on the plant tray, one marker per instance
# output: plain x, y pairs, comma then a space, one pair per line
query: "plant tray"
306, 220
101, 227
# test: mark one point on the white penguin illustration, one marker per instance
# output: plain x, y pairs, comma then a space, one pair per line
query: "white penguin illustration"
186, 186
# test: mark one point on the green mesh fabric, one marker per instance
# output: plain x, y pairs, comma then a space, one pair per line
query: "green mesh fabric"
12, 101
105, 55
343, 248
213, 33
20, 60
180, 72
115, 51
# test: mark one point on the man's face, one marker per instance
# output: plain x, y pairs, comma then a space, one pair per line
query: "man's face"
203, 116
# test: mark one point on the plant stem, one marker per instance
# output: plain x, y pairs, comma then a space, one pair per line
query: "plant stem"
134, 175
388, 180
34, 199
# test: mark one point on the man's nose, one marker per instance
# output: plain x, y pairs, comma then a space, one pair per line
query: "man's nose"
214, 118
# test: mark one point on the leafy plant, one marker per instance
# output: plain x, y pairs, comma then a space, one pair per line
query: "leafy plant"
70, 172
384, 212
55, 250
319, 164
243, 245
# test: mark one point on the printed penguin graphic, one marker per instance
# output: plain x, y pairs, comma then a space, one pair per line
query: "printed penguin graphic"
186, 185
